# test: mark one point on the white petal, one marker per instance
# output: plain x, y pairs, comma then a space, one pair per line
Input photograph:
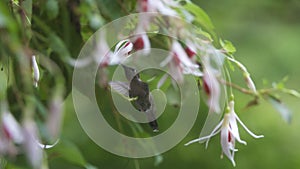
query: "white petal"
237, 136
162, 80
175, 71
12, 127
36, 72
177, 48
226, 145
213, 100
146, 41
213, 133
167, 60
192, 71
244, 126
47, 146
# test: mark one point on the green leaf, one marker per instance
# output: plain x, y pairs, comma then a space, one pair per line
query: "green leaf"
52, 8
69, 152
292, 92
200, 15
57, 45
285, 113
201, 18
228, 46
3, 82
27, 6
173, 96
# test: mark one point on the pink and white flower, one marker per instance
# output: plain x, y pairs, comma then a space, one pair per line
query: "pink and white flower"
104, 56
142, 42
10, 133
211, 85
161, 6
180, 63
229, 133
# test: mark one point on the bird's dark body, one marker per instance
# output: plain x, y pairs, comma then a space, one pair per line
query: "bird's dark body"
140, 91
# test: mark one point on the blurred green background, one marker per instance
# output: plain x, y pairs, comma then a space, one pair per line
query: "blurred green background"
267, 37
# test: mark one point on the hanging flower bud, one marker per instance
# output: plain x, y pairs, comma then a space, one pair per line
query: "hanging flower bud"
11, 128
36, 72
250, 83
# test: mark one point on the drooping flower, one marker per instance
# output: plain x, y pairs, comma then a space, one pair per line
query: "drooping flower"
211, 85
142, 42
105, 57
161, 6
180, 63
11, 128
10, 133
228, 129
122, 50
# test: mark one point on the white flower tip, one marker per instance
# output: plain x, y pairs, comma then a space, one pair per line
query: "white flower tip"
47, 146
233, 162
243, 142
260, 136
35, 84
190, 142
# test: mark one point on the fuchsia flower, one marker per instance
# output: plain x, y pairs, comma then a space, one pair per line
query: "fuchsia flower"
11, 128
105, 57
11, 134
180, 63
161, 6
229, 133
211, 85
142, 42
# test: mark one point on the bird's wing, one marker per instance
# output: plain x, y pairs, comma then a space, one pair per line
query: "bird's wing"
120, 87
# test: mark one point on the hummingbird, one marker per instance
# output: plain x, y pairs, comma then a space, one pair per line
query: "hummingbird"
138, 93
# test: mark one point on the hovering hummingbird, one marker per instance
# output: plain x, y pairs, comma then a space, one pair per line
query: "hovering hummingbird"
137, 91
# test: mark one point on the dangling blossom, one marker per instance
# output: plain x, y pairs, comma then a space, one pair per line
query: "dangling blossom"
180, 63
121, 52
10, 133
161, 6
142, 42
249, 82
11, 128
36, 72
105, 57
229, 133
211, 85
